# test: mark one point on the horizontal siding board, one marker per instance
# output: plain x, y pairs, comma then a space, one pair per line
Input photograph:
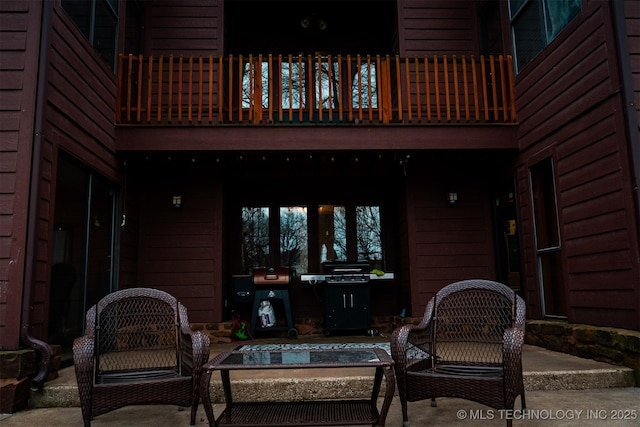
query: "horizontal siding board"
611, 221
11, 79
594, 206
603, 261
13, 21
592, 188
179, 254
602, 299
176, 278
177, 265
176, 241
609, 280
596, 242
12, 41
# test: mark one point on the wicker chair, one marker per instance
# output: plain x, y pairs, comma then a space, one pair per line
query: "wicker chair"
138, 349
468, 345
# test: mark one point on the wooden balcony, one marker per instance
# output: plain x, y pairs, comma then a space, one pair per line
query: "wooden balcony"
314, 90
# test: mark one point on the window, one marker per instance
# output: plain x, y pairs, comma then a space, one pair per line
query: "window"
305, 237
98, 21
297, 84
535, 23
547, 236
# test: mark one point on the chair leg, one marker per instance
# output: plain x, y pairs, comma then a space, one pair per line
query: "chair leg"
524, 405
405, 415
433, 402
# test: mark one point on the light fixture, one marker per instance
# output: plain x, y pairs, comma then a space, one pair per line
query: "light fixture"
322, 24
452, 197
305, 22
177, 202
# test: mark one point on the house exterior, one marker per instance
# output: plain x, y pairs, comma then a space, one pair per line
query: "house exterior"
180, 144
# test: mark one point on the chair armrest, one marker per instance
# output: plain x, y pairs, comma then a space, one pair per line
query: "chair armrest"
201, 349
83, 361
513, 338
399, 339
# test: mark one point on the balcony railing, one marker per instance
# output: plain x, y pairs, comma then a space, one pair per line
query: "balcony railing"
312, 90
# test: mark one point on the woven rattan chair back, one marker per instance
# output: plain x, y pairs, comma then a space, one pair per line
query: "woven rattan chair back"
468, 345
138, 348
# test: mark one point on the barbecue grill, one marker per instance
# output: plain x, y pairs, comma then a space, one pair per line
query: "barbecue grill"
272, 284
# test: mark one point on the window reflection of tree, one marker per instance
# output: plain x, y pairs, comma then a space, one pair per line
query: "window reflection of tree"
255, 238
293, 238
369, 233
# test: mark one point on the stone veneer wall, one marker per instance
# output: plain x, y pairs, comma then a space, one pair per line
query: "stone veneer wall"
610, 345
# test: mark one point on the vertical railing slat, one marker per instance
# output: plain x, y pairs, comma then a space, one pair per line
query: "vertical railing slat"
436, 86
319, 82
476, 93
330, 85
258, 91
427, 87
220, 89
380, 88
240, 83
465, 86
159, 95
190, 91
369, 89
170, 91
271, 82
310, 89
359, 68
180, 83
494, 89
210, 86
139, 92
503, 89
399, 87
341, 86
407, 76
129, 75
456, 89
445, 71
349, 86
416, 63
289, 92
300, 93
251, 94
483, 70
200, 82
230, 89
119, 92
149, 88
512, 94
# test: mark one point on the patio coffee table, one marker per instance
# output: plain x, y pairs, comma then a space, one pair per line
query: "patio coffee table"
307, 412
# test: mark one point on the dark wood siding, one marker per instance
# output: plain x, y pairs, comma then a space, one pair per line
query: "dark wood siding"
179, 249
442, 27
448, 243
80, 98
632, 18
583, 131
189, 27
20, 34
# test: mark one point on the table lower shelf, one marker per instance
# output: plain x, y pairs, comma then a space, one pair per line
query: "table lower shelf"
302, 413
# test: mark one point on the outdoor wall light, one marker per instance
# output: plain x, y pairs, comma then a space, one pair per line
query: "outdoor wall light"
177, 202
452, 198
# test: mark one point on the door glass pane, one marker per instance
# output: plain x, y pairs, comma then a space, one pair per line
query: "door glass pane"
294, 238
544, 205
332, 227
369, 235
555, 302
255, 238
100, 232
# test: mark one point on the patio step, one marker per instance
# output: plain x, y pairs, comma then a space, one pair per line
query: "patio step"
543, 370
